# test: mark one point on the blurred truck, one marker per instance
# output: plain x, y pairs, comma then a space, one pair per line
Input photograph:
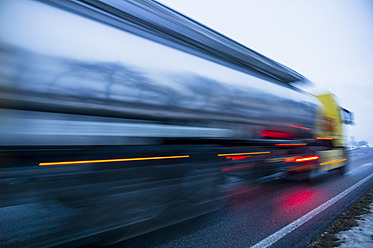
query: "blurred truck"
120, 117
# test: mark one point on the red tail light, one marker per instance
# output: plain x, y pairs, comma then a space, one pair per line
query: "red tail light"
302, 159
275, 134
237, 157
305, 159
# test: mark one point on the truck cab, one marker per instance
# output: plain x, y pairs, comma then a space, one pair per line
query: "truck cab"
330, 134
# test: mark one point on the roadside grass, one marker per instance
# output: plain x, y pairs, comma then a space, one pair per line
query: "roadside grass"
344, 222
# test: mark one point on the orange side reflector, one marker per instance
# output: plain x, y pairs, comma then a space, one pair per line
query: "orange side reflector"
307, 128
110, 160
248, 153
324, 138
333, 161
290, 144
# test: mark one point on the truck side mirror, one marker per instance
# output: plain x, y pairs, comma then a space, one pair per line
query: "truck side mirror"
347, 117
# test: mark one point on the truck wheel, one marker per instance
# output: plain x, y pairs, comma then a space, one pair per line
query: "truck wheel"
343, 170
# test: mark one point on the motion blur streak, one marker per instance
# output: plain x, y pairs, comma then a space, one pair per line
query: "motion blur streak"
234, 154
333, 161
110, 160
304, 159
140, 87
273, 134
290, 144
237, 157
306, 128
301, 159
324, 138
238, 167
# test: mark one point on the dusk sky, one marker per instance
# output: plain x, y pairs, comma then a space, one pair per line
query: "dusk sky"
329, 42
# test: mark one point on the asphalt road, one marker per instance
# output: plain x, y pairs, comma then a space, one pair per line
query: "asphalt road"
271, 214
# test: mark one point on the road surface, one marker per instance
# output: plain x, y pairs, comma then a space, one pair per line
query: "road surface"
272, 214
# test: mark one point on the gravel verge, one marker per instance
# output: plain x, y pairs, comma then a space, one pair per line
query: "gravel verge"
348, 220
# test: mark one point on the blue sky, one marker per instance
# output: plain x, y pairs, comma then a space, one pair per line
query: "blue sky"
328, 41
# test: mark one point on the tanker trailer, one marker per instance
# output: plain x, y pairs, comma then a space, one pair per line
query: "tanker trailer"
120, 117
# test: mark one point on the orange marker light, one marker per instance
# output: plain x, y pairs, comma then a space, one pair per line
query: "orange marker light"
324, 138
235, 154
333, 161
110, 160
307, 128
290, 144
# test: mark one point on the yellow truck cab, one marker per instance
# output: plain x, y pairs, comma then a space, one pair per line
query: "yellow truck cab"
330, 133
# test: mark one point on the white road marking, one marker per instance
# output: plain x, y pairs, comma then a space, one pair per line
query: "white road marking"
297, 223
358, 168
367, 164
353, 171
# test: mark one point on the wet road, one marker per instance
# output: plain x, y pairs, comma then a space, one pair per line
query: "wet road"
272, 214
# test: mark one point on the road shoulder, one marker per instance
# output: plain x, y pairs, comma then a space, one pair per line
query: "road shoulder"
349, 227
